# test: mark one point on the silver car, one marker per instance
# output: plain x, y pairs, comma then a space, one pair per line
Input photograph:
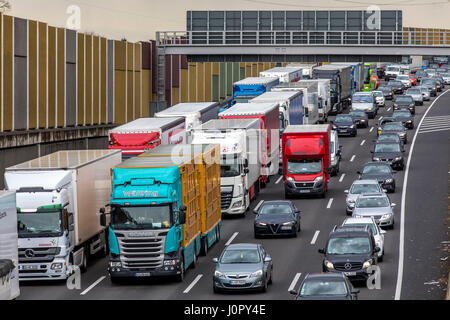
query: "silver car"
376, 205
416, 94
379, 98
243, 266
358, 187
445, 77
405, 80
425, 93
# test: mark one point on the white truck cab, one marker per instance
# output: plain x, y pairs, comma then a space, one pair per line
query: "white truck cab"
335, 153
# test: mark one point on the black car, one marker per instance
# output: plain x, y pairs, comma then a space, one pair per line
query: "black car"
344, 125
405, 102
277, 218
384, 120
326, 286
351, 251
439, 85
389, 152
395, 127
390, 137
360, 117
420, 75
406, 118
397, 86
381, 172
387, 92
431, 84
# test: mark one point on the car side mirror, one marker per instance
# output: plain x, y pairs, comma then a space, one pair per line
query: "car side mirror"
358, 172
297, 211
393, 204
383, 231
371, 151
322, 251
267, 259
376, 249
293, 292
246, 170
355, 291
215, 260
255, 211
346, 191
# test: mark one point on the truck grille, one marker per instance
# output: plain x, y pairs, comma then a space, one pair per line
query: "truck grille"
38, 255
351, 266
304, 185
226, 198
139, 254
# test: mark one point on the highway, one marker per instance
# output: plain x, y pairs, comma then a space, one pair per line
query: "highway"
417, 246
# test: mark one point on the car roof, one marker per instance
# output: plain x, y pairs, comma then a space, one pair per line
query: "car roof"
277, 202
386, 142
342, 231
236, 246
377, 164
365, 181
323, 275
362, 220
372, 195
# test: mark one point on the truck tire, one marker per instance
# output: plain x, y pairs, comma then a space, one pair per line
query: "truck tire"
194, 263
85, 260
180, 277
217, 235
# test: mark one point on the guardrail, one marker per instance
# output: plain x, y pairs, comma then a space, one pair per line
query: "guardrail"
303, 38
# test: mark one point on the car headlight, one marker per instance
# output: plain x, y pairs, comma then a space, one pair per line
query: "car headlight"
290, 179
370, 109
409, 121
219, 274
290, 223
334, 127
386, 216
318, 179
367, 264
237, 204
376, 159
398, 158
329, 265
389, 180
258, 273
402, 134
357, 216
378, 244
352, 126
261, 224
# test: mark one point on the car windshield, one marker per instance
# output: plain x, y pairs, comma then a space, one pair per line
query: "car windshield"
362, 99
394, 69
323, 288
359, 188
359, 113
413, 91
363, 225
401, 114
445, 74
387, 147
229, 167
407, 99
372, 202
402, 77
304, 166
240, 256
39, 223
353, 245
428, 81
275, 209
341, 118
393, 126
388, 137
384, 89
376, 169
141, 217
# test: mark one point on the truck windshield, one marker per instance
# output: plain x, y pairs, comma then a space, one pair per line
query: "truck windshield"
229, 167
304, 166
39, 224
141, 217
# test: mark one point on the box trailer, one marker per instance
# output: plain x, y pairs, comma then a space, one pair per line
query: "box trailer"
252, 87
284, 74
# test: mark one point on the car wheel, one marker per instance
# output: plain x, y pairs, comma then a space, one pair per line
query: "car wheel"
256, 236
264, 289
215, 289
380, 259
349, 213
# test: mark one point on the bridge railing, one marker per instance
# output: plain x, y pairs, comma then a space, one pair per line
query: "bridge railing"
338, 38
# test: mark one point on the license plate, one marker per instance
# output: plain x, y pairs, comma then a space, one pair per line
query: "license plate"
352, 273
237, 282
142, 274
304, 191
28, 267
286, 228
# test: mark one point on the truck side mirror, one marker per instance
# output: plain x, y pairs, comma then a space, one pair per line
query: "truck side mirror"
102, 210
182, 216
103, 218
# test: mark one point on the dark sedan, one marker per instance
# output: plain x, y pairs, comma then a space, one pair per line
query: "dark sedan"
431, 84
277, 218
390, 137
389, 152
326, 286
344, 125
405, 117
382, 172
395, 127
360, 117
405, 102
387, 92
397, 86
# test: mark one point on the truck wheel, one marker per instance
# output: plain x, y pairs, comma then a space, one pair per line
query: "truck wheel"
217, 235
180, 277
85, 260
194, 263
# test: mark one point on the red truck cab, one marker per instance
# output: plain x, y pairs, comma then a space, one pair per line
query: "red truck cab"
306, 159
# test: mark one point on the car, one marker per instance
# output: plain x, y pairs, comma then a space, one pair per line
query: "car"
413, 79
380, 171
420, 74
438, 83
243, 266
425, 92
389, 152
376, 205
365, 101
379, 98
446, 77
390, 137
397, 86
278, 217
395, 127
431, 84
387, 92
430, 72
326, 286
405, 117
405, 102
358, 187
405, 80
360, 117
351, 251
344, 125
378, 233
416, 94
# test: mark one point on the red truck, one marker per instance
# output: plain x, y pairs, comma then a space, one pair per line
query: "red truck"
269, 116
142, 134
306, 159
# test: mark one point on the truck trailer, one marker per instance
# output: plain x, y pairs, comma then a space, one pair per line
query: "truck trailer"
252, 87
284, 74
135, 137
58, 198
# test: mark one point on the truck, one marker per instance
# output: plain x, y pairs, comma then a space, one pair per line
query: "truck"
208, 168
340, 85
194, 113
137, 136
392, 71
240, 163
58, 198
307, 68
9, 253
155, 217
306, 159
371, 81
414, 63
268, 113
357, 75
252, 87
284, 74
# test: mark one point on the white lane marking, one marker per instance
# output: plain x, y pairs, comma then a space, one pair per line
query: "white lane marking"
232, 238
314, 239
342, 177
435, 125
279, 179
259, 204
329, 203
294, 281
362, 143
353, 158
388, 109
433, 130
401, 256
380, 118
92, 285
371, 129
197, 278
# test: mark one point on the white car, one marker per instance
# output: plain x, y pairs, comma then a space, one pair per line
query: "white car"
379, 98
378, 233
358, 187
405, 80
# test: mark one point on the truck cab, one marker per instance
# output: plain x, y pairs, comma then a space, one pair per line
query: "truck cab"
335, 153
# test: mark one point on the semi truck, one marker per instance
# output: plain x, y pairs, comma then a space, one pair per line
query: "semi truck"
155, 217
194, 113
340, 85
357, 75
208, 167
284, 74
268, 113
306, 159
252, 87
241, 145
137, 136
58, 198
9, 253
307, 69
371, 81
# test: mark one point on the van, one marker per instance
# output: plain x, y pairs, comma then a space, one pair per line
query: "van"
335, 153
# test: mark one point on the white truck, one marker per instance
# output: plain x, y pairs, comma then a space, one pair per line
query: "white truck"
240, 168
392, 71
194, 113
284, 74
307, 69
9, 254
58, 201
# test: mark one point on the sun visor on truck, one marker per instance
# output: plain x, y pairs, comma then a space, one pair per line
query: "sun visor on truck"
302, 145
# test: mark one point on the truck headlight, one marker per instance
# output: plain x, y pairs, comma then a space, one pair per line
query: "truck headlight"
171, 262
389, 180
258, 273
237, 204
376, 159
329, 265
367, 264
56, 266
